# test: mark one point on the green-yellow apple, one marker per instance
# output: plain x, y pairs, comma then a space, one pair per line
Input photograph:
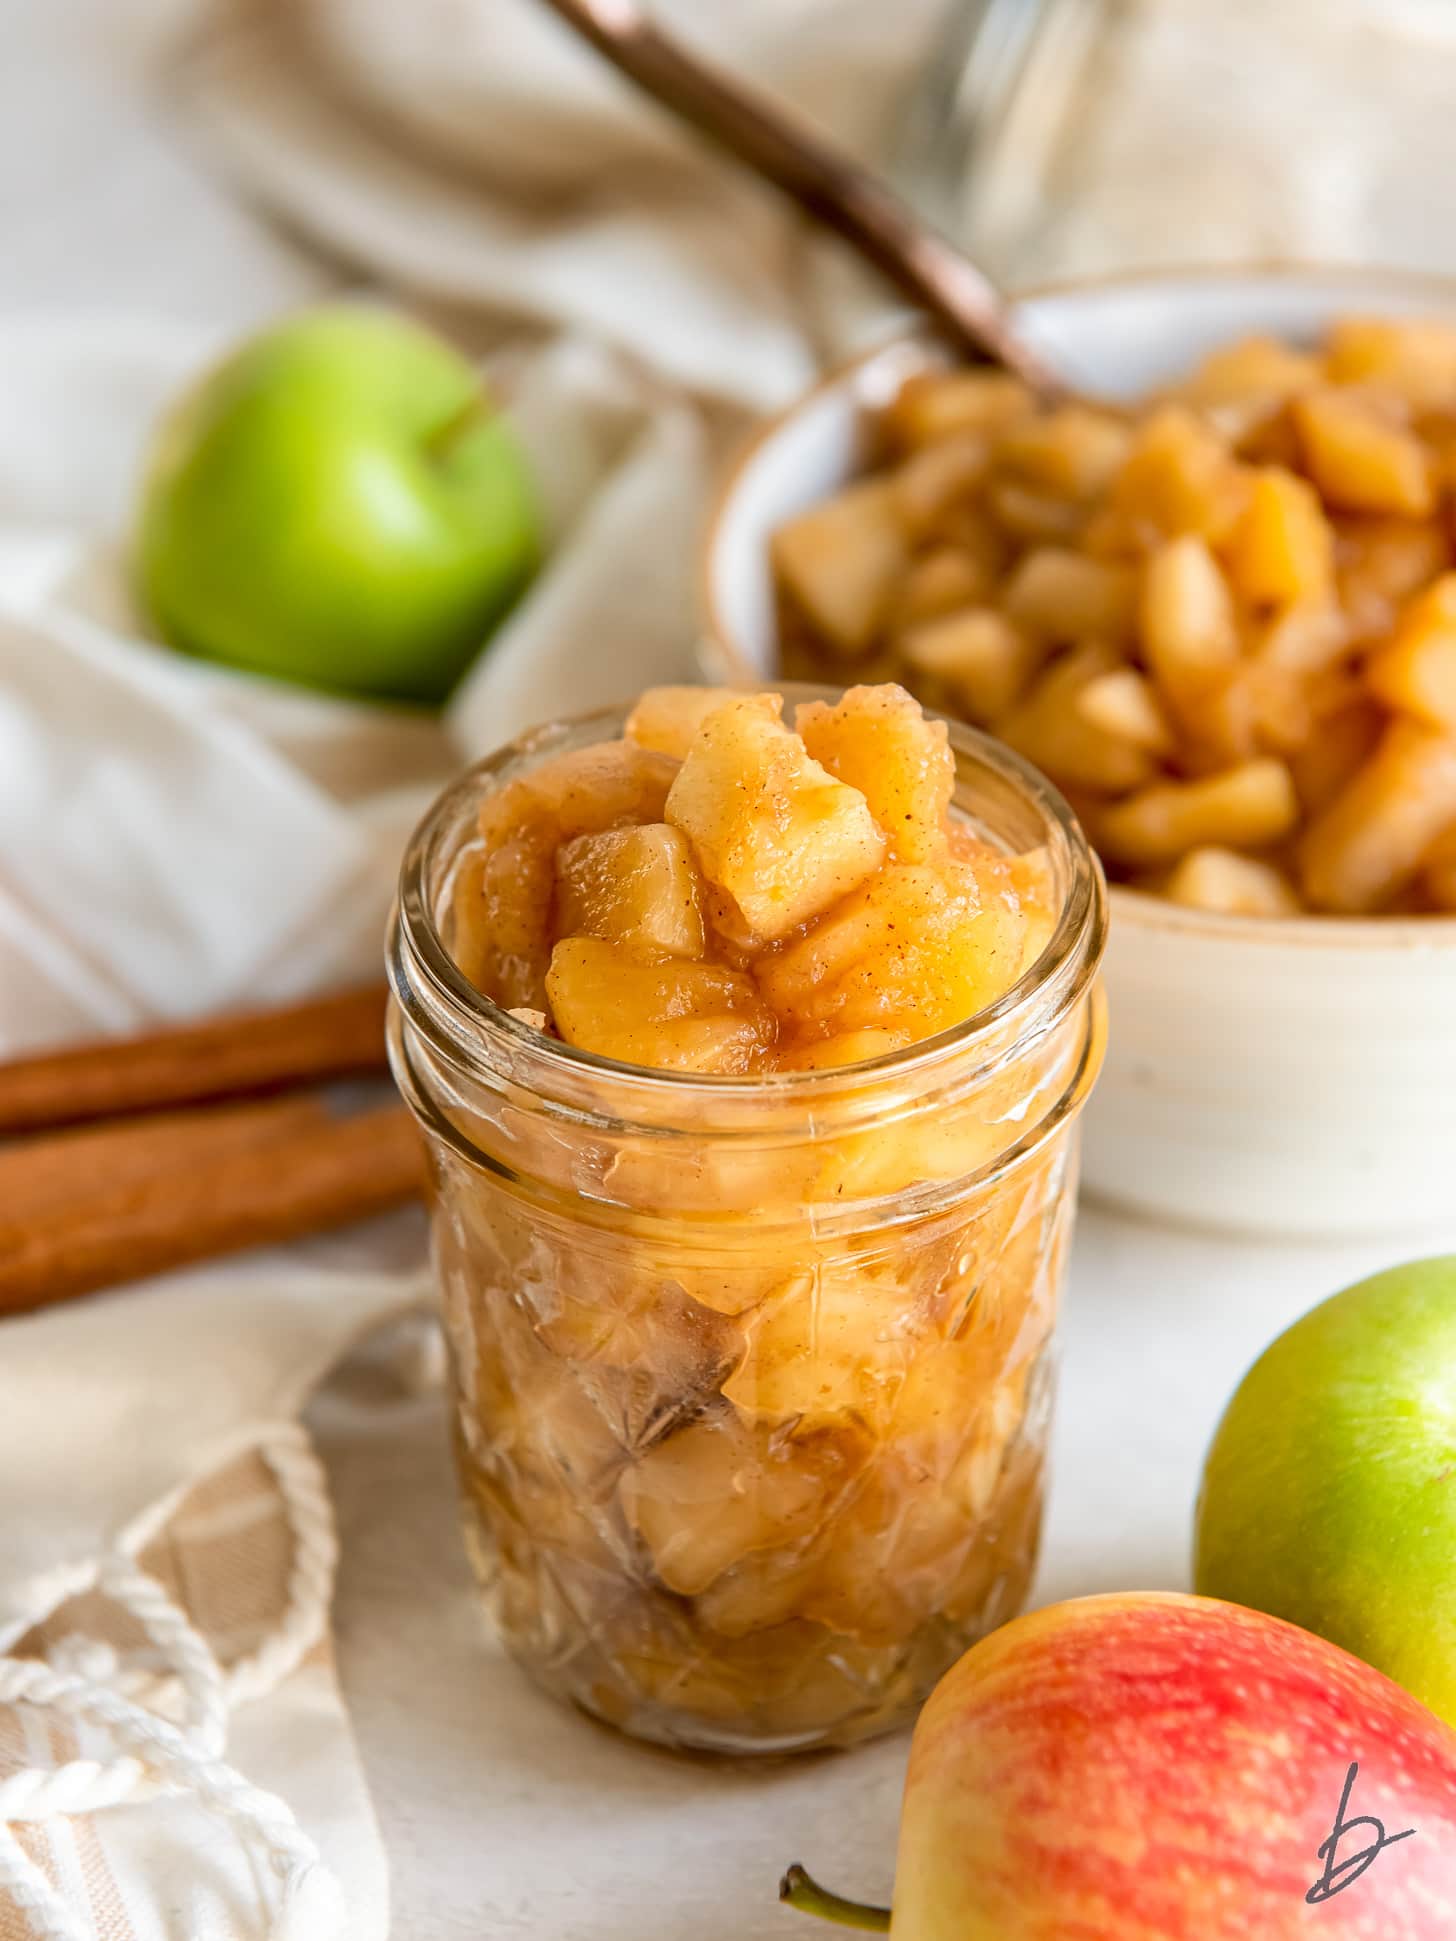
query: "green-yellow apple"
1158, 1767
1329, 1494
337, 504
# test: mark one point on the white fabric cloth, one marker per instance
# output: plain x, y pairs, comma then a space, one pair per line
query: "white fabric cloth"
471, 151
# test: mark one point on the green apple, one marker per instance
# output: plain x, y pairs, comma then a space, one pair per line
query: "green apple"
1329, 1494
337, 504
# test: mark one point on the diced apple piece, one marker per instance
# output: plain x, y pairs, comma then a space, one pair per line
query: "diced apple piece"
980, 657
941, 582
1072, 451
1329, 762
878, 741
1188, 624
843, 562
606, 786
830, 1342
769, 825
1050, 730
1220, 879
1029, 516
1306, 638
934, 480
1190, 636
1179, 477
1362, 456
635, 887
1414, 357
601, 1310
666, 719
1416, 670
1221, 731
1065, 596
1280, 705
720, 1489
939, 404
903, 1548
846, 1048
1282, 548
1379, 563
675, 1016
502, 901
1370, 842
919, 948
1439, 872
1243, 808
1241, 386
1125, 705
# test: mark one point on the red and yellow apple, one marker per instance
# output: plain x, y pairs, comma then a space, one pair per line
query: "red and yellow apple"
1158, 1767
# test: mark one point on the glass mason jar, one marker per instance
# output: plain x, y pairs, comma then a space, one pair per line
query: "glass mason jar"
751, 1376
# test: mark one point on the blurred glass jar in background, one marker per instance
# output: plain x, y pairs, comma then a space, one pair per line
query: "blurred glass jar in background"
1071, 137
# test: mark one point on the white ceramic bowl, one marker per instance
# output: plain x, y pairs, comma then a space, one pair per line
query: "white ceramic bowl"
1293, 1077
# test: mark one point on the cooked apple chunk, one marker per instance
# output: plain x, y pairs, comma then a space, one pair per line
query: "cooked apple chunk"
720, 1489
843, 563
1413, 356
667, 718
788, 899
1176, 609
1362, 456
977, 657
1282, 548
877, 740
636, 887
946, 404
502, 900
1372, 839
1179, 477
677, 1016
920, 945
1233, 885
767, 823
1247, 807
1416, 669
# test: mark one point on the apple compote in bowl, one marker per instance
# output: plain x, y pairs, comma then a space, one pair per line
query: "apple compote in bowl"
749, 1038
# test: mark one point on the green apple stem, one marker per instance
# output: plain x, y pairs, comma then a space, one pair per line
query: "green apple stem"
799, 1890
447, 436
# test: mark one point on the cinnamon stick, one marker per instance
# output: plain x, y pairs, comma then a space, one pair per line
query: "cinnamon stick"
66, 1168
302, 1182
227, 1057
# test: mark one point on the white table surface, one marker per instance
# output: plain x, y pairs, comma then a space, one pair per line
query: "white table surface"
504, 1816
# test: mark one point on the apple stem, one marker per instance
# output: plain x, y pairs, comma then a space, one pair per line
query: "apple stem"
798, 1889
444, 438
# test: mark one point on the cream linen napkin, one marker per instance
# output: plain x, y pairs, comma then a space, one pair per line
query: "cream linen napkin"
175, 1763
472, 151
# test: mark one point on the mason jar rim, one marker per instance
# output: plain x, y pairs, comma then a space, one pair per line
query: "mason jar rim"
464, 1024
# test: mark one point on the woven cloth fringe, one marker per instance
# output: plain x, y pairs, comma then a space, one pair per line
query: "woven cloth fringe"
82, 1680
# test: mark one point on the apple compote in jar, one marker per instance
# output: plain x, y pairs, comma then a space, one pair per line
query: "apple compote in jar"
749, 1036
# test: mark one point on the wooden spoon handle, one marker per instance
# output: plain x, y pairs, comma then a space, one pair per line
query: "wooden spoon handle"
824, 182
